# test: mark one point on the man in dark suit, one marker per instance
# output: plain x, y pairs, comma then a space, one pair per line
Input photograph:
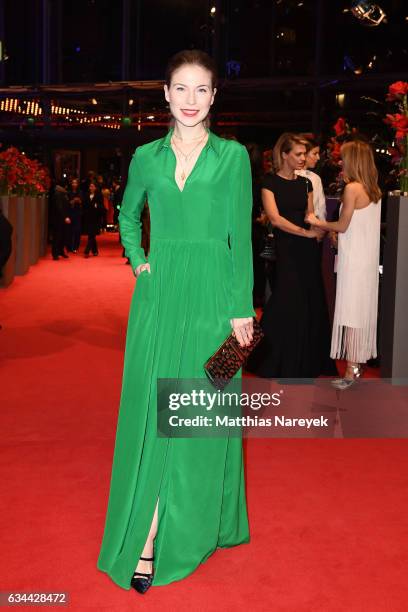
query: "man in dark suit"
59, 218
75, 213
93, 216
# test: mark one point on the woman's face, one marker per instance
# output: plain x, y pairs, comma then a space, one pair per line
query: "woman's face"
313, 157
190, 94
295, 159
92, 188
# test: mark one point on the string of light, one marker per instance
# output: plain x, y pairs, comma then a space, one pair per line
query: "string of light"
33, 108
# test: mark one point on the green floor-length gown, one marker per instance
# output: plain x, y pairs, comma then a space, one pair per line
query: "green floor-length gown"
201, 277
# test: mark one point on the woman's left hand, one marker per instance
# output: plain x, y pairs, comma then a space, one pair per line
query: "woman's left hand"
243, 330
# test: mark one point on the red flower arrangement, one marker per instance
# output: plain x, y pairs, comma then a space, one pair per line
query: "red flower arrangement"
397, 93
342, 133
340, 127
399, 123
22, 176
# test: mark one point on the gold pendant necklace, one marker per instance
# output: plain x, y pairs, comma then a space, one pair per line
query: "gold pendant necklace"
180, 153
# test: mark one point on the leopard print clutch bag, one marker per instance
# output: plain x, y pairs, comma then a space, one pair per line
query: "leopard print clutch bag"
229, 358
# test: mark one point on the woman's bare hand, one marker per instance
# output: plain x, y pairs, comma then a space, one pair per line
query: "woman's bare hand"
140, 268
243, 330
262, 219
314, 232
320, 233
312, 219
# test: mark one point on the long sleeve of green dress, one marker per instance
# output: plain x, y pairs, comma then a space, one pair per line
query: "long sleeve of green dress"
240, 236
130, 224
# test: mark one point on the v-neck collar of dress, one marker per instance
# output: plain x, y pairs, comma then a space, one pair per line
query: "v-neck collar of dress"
212, 141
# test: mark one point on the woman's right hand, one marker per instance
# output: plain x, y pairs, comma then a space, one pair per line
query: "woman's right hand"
243, 329
141, 267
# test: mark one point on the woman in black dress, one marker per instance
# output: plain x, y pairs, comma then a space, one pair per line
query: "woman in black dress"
295, 319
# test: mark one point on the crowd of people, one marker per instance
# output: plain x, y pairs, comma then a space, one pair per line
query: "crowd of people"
295, 317
77, 208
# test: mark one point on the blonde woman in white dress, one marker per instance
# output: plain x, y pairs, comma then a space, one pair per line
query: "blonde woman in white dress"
354, 334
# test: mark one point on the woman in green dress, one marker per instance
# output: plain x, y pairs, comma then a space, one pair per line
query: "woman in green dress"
180, 497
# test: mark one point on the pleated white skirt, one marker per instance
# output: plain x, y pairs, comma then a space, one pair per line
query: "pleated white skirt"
354, 334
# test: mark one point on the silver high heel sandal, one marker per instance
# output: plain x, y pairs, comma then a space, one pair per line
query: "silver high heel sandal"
345, 383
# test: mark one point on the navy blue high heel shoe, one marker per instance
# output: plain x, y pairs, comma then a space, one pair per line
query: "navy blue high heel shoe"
141, 582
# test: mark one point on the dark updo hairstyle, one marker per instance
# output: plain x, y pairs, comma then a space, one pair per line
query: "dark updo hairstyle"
310, 142
194, 57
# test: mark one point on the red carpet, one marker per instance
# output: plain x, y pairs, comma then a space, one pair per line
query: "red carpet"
328, 517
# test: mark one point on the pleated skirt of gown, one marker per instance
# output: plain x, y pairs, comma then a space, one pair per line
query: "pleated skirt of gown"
355, 317
178, 318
